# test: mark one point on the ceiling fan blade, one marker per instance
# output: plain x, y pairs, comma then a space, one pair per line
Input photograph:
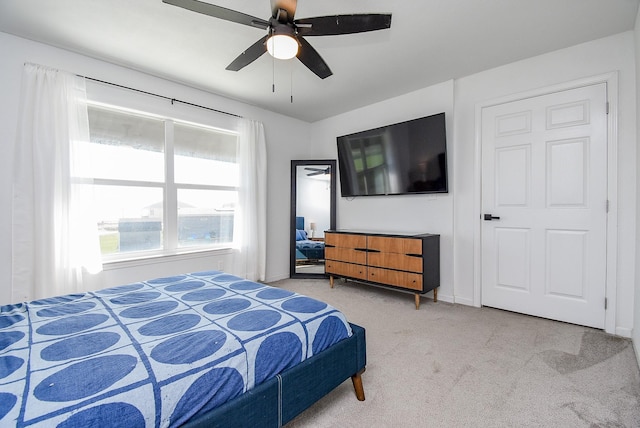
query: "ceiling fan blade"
288, 5
312, 59
326, 170
254, 52
343, 24
219, 12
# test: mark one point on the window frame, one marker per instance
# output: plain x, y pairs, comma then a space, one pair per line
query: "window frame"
169, 187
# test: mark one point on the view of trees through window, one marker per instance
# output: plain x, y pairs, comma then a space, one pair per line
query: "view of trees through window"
160, 185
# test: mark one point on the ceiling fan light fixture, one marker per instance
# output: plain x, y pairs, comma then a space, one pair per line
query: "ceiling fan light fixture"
282, 46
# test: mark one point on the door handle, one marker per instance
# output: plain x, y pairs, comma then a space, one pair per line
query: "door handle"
489, 217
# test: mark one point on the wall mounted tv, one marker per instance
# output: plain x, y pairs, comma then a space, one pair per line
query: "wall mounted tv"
403, 158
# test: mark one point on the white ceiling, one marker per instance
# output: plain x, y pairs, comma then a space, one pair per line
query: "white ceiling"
430, 41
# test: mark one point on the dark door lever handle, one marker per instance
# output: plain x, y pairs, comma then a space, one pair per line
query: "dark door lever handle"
489, 217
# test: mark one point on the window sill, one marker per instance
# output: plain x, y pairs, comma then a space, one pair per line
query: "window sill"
163, 258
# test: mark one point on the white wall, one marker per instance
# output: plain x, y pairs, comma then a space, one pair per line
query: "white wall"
283, 136
406, 213
455, 215
313, 201
636, 316
615, 53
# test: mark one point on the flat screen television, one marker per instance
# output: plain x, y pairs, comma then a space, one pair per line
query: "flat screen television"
403, 158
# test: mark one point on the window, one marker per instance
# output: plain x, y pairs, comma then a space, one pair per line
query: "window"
161, 185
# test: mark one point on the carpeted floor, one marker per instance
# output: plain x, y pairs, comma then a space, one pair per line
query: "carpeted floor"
451, 365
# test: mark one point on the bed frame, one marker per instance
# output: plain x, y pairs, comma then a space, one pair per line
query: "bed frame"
280, 399
307, 254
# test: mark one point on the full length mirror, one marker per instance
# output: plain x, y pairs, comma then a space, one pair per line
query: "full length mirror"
313, 210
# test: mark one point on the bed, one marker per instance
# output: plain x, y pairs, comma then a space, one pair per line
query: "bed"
199, 349
307, 250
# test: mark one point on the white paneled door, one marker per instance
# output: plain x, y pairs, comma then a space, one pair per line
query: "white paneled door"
544, 205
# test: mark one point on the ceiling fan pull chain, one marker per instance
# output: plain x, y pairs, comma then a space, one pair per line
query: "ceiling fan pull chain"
291, 80
273, 74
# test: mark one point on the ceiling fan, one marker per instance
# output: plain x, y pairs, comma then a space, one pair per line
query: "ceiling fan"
283, 29
318, 171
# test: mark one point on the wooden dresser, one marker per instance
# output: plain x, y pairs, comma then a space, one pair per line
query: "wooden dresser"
407, 262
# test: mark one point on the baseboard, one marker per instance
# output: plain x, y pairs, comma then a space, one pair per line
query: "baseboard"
463, 301
274, 278
623, 332
442, 297
636, 348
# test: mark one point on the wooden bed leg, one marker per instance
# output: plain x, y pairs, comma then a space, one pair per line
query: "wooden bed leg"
435, 294
357, 385
417, 301
331, 280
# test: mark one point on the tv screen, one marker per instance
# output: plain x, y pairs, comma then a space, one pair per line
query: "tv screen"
403, 158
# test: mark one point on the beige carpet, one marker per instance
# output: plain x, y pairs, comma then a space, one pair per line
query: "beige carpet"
451, 365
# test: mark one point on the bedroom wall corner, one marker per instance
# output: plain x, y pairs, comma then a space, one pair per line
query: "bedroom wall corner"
635, 333
10, 76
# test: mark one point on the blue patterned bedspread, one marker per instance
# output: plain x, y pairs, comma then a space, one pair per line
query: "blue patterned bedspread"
310, 249
153, 353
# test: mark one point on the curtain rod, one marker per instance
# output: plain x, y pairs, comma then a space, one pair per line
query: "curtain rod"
173, 100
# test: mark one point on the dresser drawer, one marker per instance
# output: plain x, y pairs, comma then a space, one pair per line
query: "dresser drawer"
348, 255
408, 280
395, 261
413, 281
386, 244
408, 261
345, 269
345, 240
412, 246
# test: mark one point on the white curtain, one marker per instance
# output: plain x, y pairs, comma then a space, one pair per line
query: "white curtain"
54, 234
250, 223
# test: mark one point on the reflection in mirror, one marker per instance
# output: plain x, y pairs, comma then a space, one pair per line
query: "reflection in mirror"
313, 186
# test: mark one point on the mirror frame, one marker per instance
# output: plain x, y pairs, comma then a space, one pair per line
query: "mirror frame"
292, 223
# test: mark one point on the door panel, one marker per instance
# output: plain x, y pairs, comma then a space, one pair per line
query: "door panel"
566, 261
567, 187
513, 250
544, 182
512, 176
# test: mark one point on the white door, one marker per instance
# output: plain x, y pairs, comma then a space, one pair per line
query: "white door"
544, 174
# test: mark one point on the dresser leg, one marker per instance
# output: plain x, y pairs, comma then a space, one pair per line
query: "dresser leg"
435, 295
331, 280
417, 296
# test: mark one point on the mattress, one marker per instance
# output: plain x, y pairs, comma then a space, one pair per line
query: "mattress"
154, 353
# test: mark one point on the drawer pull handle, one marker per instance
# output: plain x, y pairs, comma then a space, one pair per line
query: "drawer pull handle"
414, 255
